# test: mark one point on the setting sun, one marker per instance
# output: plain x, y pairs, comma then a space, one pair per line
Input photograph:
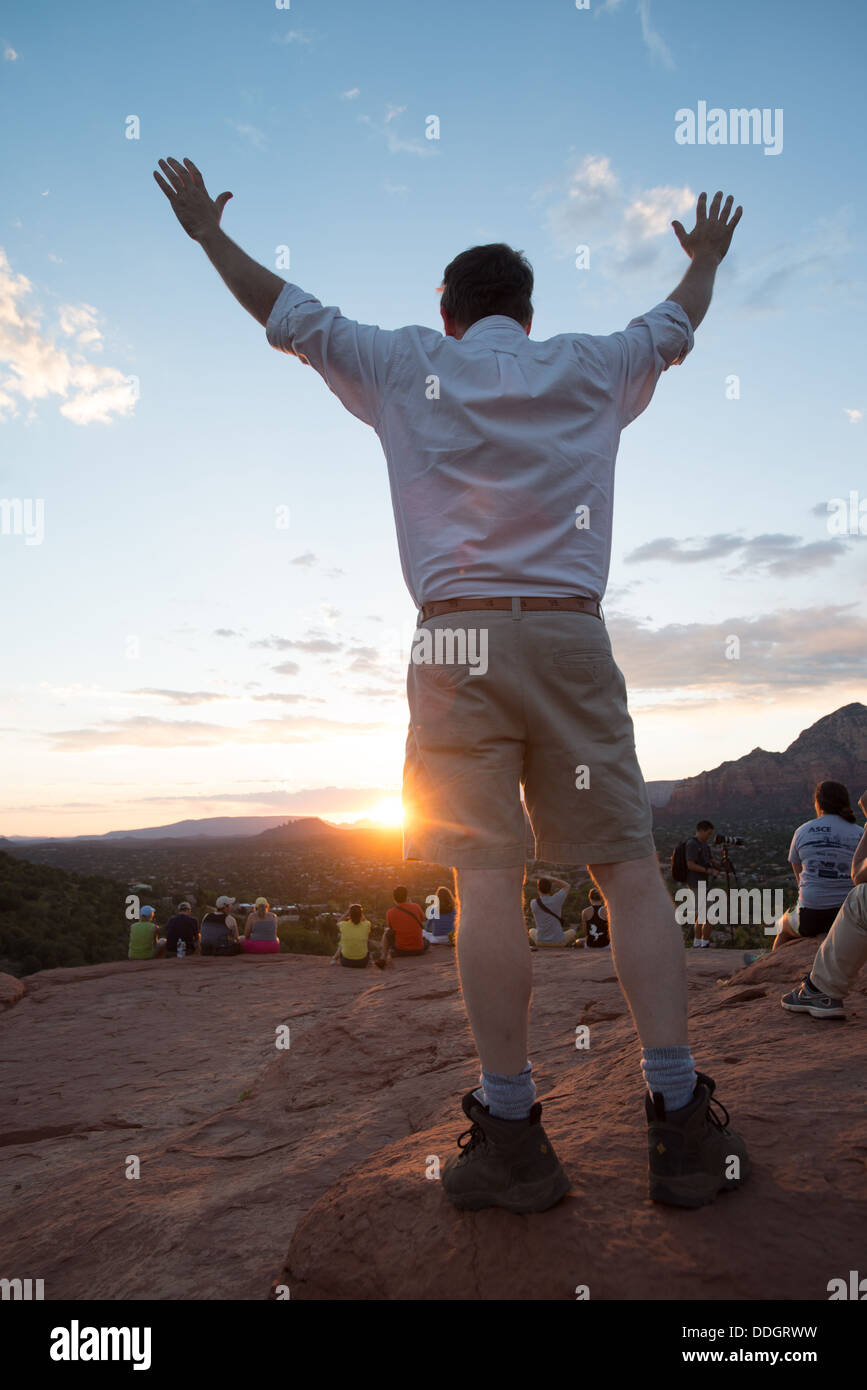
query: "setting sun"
388, 812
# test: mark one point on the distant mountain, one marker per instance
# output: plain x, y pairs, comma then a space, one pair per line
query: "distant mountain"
289, 832
779, 784
208, 828
659, 793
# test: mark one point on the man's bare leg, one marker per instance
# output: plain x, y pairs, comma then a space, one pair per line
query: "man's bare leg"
647, 947
494, 965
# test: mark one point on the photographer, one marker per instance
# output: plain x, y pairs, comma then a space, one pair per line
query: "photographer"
700, 869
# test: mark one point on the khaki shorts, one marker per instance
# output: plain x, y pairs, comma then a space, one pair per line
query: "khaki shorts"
549, 713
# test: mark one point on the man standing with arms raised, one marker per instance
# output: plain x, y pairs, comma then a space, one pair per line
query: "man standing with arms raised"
501, 455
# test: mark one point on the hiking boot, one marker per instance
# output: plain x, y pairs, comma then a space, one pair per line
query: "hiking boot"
806, 999
504, 1163
691, 1150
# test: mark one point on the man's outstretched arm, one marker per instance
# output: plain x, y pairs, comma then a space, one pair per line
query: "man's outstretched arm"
705, 245
253, 285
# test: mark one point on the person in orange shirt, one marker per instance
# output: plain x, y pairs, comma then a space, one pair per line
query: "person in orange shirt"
403, 930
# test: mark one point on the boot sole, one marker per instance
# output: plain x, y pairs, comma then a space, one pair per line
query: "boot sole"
814, 1012
528, 1199
694, 1190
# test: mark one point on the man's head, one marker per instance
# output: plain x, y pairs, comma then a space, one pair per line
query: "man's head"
545, 886
704, 830
400, 895
596, 896
486, 280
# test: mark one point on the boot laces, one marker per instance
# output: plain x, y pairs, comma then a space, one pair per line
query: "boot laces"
720, 1122
471, 1138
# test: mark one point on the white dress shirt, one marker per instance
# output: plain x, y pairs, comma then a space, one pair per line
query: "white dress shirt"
500, 449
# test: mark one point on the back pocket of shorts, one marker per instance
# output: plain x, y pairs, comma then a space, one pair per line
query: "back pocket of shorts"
589, 668
439, 676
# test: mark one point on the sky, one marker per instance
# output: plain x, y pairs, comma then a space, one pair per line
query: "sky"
202, 607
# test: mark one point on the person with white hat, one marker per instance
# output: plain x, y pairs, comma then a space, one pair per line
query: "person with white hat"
220, 930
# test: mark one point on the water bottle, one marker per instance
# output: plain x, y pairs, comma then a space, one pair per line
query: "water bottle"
182, 948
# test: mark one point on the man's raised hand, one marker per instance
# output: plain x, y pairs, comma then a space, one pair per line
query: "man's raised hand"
184, 187
713, 230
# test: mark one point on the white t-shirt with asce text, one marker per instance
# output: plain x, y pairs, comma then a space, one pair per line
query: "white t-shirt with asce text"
824, 847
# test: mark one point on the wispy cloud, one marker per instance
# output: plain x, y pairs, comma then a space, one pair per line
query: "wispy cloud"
248, 132
309, 644
398, 144
38, 368
294, 36
351, 94
144, 731
9, 54
182, 697
591, 207
779, 556
855, 416
656, 45
795, 649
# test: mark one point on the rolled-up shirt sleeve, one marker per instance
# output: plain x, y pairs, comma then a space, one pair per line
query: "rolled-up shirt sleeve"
352, 358
648, 346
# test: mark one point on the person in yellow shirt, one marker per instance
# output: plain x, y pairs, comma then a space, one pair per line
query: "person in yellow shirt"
353, 947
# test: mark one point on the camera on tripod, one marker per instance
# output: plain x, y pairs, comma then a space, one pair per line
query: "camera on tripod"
728, 840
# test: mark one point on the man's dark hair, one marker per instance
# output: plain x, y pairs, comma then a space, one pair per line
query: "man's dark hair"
487, 280
704, 825
355, 913
545, 886
399, 895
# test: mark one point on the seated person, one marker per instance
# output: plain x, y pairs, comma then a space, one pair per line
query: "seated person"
821, 858
547, 909
182, 927
440, 929
353, 947
404, 928
843, 952
595, 919
220, 930
144, 939
260, 931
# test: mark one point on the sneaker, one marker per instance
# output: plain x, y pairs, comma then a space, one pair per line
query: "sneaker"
504, 1163
806, 999
691, 1149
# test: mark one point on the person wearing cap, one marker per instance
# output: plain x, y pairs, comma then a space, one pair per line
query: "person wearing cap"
183, 926
144, 939
220, 930
260, 932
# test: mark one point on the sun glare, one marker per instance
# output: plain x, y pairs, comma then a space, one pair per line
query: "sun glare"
389, 812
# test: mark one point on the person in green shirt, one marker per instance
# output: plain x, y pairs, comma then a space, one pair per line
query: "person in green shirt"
144, 940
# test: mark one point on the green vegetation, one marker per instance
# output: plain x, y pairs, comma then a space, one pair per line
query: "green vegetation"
49, 918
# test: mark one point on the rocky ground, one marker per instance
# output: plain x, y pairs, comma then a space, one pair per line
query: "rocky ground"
247, 1150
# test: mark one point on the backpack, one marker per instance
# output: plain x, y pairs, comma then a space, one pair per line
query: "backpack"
679, 870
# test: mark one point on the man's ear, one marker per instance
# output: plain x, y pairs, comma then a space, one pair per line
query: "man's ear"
449, 326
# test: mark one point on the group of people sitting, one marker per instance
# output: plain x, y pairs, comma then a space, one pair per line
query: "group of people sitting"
217, 936
408, 931
547, 910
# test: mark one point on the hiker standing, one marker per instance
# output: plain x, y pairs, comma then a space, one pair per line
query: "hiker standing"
501, 454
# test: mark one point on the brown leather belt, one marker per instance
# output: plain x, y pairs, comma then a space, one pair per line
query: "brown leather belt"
530, 605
